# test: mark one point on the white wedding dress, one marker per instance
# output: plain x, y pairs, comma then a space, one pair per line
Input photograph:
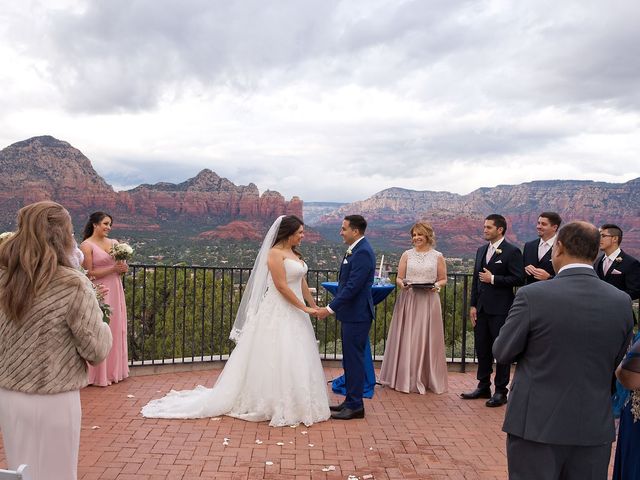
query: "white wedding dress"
274, 373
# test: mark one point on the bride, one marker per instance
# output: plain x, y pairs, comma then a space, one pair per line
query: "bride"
274, 373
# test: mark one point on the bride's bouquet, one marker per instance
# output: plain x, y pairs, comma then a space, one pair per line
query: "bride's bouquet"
121, 251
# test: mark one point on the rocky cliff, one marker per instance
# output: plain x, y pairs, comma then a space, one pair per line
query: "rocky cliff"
457, 219
46, 168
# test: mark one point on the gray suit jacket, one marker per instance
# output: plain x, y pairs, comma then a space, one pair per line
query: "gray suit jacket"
567, 334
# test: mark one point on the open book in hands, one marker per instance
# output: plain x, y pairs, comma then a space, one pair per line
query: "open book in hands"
425, 285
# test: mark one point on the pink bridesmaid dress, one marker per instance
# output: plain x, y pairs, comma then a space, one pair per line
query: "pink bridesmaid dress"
116, 366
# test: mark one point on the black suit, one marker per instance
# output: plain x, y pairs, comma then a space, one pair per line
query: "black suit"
623, 274
530, 255
492, 302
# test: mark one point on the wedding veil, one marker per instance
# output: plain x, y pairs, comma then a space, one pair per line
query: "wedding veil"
256, 285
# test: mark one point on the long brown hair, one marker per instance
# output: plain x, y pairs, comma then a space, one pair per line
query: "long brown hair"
31, 257
288, 226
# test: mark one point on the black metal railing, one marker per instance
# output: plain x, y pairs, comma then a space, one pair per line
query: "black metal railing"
179, 314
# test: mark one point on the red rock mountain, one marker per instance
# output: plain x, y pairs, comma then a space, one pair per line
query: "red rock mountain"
457, 219
46, 168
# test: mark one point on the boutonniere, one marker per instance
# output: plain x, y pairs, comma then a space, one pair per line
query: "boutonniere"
498, 251
349, 252
618, 259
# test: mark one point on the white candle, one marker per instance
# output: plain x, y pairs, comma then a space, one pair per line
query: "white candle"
381, 263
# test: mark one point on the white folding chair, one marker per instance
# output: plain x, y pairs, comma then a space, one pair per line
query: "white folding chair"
22, 473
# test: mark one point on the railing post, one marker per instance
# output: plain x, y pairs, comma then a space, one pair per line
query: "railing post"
465, 313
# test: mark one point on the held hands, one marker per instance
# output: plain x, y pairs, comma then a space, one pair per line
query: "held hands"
485, 276
537, 273
322, 313
319, 313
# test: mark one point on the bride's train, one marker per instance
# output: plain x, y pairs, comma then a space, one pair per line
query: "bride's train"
273, 374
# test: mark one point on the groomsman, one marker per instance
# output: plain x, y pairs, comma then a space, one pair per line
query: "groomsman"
567, 337
614, 266
498, 268
537, 253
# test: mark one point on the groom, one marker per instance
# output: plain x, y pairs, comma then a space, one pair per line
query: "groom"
353, 306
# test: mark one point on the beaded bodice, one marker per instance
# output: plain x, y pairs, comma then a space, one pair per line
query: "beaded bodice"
422, 266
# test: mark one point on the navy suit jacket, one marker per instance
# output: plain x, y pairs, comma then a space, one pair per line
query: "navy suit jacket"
508, 272
353, 302
530, 255
623, 274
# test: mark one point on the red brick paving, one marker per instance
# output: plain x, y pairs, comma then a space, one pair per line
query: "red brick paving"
403, 436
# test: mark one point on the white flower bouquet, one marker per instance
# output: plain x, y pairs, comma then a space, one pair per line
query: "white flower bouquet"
121, 251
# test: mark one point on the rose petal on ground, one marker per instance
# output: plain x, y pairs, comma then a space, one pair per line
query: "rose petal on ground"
259, 442
280, 443
95, 427
131, 396
268, 463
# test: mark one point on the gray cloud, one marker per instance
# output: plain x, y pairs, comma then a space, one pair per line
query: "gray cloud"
330, 99
122, 55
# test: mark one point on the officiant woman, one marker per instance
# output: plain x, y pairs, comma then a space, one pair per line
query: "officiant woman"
414, 357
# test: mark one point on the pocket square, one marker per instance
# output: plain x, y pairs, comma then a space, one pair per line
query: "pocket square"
499, 261
344, 262
616, 272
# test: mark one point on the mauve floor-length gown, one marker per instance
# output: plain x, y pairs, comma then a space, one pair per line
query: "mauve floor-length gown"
116, 367
414, 357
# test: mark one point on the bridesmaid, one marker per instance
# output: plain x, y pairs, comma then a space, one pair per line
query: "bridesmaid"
103, 269
414, 357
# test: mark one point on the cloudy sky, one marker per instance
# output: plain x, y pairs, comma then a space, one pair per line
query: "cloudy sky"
326, 99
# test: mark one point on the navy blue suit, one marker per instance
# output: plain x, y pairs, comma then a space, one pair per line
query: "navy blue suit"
353, 306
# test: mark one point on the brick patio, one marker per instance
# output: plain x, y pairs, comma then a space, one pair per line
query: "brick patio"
402, 436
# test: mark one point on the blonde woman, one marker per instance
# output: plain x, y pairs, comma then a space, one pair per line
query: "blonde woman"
414, 357
50, 327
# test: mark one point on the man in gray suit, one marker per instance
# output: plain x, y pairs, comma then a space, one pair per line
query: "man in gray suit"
567, 336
